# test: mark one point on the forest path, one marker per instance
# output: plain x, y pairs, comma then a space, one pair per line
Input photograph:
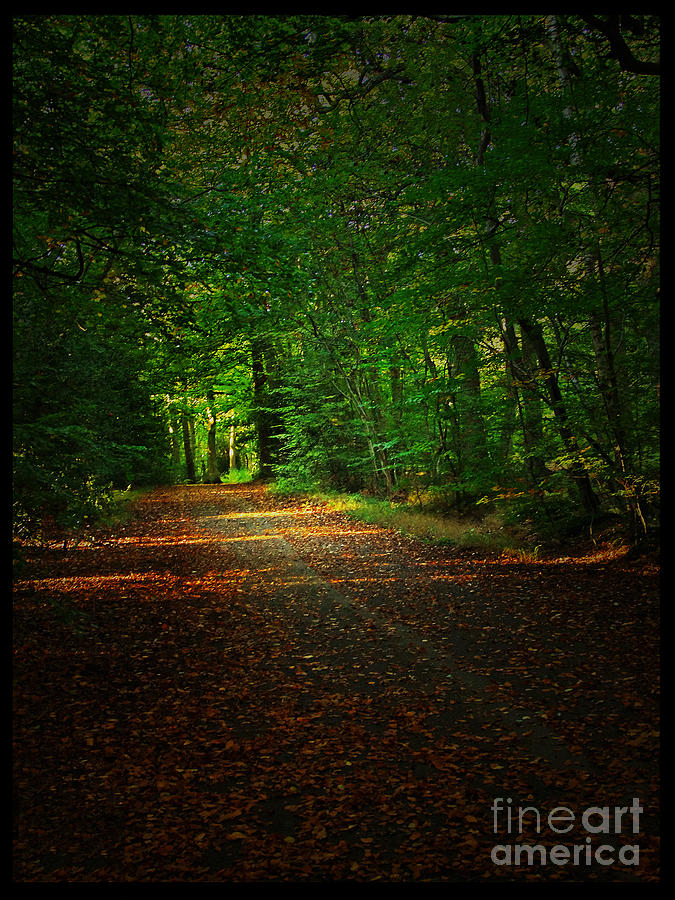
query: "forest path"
328, 626
239, 687
491, 660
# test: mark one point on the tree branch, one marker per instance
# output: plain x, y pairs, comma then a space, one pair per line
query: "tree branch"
611, 28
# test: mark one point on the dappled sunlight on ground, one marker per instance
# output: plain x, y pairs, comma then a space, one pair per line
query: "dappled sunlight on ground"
215, 658
260, 514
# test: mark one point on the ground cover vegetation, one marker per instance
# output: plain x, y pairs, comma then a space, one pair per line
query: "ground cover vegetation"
415, 256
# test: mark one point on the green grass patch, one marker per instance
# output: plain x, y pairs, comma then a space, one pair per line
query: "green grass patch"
485, 531
237, 476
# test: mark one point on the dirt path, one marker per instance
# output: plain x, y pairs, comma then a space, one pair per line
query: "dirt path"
300, 696
329, 625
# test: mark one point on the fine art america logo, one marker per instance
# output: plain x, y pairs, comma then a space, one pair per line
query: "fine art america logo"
597, 822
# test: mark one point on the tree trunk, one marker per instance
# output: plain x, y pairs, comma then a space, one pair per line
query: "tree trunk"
576, 470
531, 417
188, 447
175, 441
212, 474
601, 334
378, 427
513, 365
266, 423
232, 448
523, 389
472, 439
365, 409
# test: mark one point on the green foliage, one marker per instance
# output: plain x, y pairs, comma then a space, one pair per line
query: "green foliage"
238, 476
389, 253
85, 419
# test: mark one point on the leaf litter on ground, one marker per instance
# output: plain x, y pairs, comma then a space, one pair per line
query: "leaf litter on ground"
232, 686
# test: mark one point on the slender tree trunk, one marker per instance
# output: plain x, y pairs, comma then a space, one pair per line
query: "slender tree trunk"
175, 441
513, 364
232, 448
188, 448
365, 409
532, 421
523, 389
375, 405
472, 437
378, 428
439, 430
576, 470
266, 422
212, 473
601, 333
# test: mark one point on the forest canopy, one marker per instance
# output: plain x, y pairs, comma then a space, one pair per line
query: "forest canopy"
392, 254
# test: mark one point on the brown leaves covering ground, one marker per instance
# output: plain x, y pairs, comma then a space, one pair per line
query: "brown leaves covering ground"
236, 688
